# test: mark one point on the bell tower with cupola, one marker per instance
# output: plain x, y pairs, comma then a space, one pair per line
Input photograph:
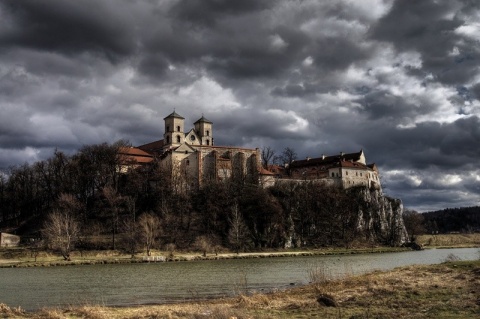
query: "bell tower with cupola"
174, 131
204, 129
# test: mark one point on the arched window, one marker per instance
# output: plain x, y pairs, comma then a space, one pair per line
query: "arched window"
208, 142
208, 133
188, 162
178, 128
178, 138
168, 128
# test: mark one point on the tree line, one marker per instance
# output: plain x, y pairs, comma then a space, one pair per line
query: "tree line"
86, 200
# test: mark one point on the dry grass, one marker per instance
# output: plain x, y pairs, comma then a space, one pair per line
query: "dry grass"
450, 240
450, 290
7, 312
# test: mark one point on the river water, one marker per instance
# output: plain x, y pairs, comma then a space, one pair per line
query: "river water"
154, 283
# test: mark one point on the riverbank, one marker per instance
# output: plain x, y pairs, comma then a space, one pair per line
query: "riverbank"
19, 257
448, 290
25, 257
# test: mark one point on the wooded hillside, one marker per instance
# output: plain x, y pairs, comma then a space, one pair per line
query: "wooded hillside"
465, 219
89, 191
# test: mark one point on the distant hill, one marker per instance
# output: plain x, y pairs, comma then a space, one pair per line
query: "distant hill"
465, 219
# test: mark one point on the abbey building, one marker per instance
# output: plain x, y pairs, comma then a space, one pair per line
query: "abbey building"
191, 157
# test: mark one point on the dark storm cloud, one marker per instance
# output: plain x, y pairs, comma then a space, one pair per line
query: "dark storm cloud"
450, 146
419, 25
207, 12
398, 79
381, 104
429, 27
298, 90
476, 91
66, 26
338, 53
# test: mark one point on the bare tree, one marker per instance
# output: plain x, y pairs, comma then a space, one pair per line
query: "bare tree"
129, 226
204, 244
114, 201
288, 155
149, 224
238, 232
413, 223
131, 236
268, 156
61, 229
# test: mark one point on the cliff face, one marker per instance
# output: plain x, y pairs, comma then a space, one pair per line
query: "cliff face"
380, 217
330, 216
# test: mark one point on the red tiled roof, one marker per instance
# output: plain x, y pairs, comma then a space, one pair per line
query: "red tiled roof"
135, 154
263, 171
276, 169
351, 164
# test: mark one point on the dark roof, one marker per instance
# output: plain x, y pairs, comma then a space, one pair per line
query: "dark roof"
176, 115
203, 119
325, 160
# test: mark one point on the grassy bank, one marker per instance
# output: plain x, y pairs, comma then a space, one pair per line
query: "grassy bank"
449, 240
449, 290
23, 257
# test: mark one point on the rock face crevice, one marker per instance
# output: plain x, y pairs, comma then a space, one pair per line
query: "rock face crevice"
380, 217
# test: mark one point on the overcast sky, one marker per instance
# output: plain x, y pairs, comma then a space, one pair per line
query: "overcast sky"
398, 79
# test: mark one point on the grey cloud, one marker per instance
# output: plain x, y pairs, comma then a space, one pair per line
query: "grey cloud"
207, 12
418, 25
429, 144
428, 28
296, 90
66, 26
75, 73
476, 91
153, 66
380, 104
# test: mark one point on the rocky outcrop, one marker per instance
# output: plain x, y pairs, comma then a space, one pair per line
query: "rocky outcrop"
380, 217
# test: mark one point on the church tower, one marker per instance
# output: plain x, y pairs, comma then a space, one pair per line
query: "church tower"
174, 131
203, 128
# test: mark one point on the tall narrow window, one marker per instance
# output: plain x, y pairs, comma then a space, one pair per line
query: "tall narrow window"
168, 128
168, 139
208, 133
208, 142
178, 128
178, 138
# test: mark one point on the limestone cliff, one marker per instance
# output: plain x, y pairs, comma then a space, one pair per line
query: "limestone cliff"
380, 217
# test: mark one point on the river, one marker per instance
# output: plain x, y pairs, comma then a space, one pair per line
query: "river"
154, 283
